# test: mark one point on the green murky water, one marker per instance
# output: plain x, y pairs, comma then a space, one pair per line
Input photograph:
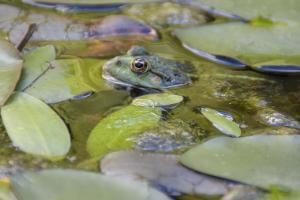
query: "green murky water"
246, 95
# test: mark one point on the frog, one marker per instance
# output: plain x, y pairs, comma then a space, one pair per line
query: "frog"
140, 69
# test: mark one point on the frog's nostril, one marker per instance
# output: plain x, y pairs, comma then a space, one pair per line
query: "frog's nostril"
119, 63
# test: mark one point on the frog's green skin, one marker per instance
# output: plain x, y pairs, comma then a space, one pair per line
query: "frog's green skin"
162, 74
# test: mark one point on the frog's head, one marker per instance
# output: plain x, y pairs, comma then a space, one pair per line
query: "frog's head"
139, 69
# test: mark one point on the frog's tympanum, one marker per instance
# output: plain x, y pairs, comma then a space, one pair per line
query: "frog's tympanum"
139, 69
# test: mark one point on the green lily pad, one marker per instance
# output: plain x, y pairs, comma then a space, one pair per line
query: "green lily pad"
158, 100
248, 43
265, 160
223, 124
34, 127
79, 185
68, 78
10, 69
36, 63
272, 9
112, 132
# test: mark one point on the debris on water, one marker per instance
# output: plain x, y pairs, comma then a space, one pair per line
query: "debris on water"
169, 136
274, 118
162, 143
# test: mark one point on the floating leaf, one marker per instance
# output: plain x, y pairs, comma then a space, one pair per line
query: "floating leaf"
34, 127
88, 2
263, 160
162, 171
158, 100
272, 9
246, 43
222, 123
68, 78
36, 63
10, 69
112, 132
79, 185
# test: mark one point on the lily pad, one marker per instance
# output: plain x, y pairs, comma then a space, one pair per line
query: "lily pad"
264, 160
223, 124
36, 63
10, 69
78, 185
112, 132
272, 9
158, 100
89, 2
34, 128
245, 43
162, 171
68, 78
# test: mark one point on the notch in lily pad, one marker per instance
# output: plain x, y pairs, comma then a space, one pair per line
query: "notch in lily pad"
164, 100
223, 123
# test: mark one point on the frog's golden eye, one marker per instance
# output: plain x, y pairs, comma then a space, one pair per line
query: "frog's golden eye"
139, 65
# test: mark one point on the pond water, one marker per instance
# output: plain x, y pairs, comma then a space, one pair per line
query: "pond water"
259, 103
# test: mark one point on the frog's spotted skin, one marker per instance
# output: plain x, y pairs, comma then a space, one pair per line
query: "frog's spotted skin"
161, 74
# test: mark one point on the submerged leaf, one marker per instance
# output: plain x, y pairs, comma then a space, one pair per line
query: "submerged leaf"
162, 171
10, 69
112, 132
36, 63
263, 160
79, 185
34, 127
158, 100
223, 124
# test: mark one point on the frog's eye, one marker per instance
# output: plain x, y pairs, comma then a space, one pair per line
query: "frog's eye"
139, 65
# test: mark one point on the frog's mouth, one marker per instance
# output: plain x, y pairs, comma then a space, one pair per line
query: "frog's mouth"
108, 77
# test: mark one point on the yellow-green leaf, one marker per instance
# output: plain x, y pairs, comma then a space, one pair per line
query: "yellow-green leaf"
10, 69
112, 132
158, 100
223, 124
34, 127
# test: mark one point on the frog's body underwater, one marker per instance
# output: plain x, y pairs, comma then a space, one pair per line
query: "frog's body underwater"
139, 69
